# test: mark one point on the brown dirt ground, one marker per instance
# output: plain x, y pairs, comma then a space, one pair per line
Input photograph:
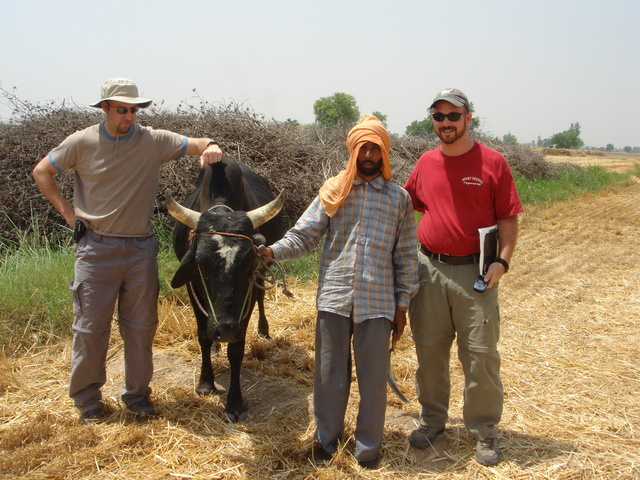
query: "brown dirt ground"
571, 372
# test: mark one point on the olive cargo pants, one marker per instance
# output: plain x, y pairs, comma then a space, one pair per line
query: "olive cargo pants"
446, 308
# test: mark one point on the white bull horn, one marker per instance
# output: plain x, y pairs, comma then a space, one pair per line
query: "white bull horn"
182, 214
263, 214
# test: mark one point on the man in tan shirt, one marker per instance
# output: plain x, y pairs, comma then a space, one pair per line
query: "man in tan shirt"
117, 171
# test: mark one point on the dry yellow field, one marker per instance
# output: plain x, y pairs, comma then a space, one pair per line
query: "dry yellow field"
571, 371
616, 162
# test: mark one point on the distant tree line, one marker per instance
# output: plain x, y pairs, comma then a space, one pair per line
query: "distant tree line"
568, 139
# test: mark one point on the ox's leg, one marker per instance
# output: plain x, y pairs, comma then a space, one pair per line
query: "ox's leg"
263, 323
235, 409
206, 385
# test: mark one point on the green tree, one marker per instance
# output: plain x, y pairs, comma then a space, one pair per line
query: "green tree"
609, 147
421, 128
338, 110
475, 121
510, 139
380, 116
569, 138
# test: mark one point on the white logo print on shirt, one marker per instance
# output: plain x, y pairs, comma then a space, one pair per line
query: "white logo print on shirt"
472, 181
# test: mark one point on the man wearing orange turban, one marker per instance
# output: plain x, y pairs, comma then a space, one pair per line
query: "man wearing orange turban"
335, 190
368, 274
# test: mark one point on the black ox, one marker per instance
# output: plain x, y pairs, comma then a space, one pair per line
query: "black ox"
230, 211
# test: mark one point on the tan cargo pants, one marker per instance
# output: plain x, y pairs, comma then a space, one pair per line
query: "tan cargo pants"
110, 271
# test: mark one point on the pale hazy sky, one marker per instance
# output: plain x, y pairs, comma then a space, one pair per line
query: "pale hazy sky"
531, 68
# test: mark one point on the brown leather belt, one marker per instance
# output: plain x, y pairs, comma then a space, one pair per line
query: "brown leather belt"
451, 259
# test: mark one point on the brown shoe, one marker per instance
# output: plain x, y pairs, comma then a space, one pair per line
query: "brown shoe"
370, 464
321, 456
92, 416
143, 408
488, 452
423, 437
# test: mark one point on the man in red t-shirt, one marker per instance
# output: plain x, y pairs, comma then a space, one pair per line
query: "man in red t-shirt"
459, 187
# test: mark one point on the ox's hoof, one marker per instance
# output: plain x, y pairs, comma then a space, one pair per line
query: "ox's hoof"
235, 417
209, 389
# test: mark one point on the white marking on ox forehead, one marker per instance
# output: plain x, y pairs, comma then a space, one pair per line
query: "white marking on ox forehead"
228, 251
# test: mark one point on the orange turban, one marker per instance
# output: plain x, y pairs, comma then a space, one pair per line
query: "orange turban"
335, 189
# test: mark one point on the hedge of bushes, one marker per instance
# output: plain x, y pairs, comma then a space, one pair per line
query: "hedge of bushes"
294, 158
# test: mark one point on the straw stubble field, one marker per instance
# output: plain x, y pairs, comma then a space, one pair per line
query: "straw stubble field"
571, 373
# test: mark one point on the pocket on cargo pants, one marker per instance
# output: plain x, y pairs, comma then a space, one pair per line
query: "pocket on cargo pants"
74, 286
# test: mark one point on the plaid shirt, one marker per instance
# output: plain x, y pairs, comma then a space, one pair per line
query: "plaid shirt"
369, 262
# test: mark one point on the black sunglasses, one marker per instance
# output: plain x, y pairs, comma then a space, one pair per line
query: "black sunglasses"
452, 116
123, 110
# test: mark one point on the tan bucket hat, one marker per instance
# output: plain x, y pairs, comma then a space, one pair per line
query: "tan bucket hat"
121, 90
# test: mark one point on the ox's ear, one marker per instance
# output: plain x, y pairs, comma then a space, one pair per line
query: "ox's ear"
187, 270
258, 239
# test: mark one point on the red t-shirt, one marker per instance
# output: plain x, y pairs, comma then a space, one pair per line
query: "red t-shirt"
459, 195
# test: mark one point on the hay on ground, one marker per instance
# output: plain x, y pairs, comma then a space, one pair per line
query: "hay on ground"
571, 373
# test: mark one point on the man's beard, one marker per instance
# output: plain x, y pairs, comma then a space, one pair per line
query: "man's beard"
452, 135
369, 170
123, 129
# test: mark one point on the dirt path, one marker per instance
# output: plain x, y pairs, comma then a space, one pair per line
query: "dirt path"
571, 371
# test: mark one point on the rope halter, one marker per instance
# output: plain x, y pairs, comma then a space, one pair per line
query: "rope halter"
268, 278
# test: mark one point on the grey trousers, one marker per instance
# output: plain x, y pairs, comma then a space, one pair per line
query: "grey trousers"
446, 308
332, 380
110, 271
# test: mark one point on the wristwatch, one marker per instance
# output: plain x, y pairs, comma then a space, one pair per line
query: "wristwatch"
504, 263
